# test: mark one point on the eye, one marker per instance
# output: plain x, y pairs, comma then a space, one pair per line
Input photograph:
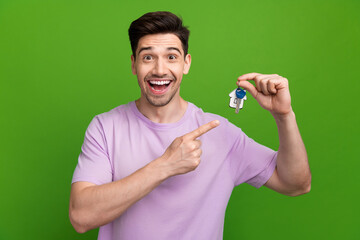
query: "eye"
171, 57
147, 58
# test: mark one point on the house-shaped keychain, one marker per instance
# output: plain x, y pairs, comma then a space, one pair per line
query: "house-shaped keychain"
237, 98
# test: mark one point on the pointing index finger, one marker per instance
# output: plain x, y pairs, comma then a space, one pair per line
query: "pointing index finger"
202, 130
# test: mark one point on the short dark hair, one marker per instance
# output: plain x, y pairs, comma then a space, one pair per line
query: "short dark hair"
158, 22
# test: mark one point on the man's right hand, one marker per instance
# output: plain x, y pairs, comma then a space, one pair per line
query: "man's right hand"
183, 154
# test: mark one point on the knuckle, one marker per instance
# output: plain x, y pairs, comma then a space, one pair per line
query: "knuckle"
196, 162
178, 142
192, 147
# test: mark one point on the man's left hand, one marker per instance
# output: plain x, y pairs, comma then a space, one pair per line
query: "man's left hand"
270, 90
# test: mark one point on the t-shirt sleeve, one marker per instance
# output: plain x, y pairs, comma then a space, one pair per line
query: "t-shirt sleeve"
93, 163
250, 162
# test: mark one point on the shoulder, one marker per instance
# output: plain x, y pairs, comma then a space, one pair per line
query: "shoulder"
116, 114
105, 122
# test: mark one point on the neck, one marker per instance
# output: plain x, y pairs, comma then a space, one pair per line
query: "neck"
170, 113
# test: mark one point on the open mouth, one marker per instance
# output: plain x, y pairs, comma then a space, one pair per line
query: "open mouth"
159, 86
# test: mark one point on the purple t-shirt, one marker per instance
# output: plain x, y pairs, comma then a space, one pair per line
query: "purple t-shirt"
188, 206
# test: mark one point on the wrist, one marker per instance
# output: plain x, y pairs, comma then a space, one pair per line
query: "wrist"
158, 168
281, 117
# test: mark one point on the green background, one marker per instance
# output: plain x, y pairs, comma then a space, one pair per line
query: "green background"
62, 62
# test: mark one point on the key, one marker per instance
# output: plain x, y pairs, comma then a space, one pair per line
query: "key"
240, 94
237, 98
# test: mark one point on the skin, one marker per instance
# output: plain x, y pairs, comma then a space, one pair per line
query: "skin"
161, 57
93, 205
292, 175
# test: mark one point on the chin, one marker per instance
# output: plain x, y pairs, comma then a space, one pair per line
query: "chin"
159, 101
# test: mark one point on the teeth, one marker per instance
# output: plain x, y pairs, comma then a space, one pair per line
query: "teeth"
159, 82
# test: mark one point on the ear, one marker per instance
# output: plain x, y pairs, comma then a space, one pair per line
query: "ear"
187, 64
133, 69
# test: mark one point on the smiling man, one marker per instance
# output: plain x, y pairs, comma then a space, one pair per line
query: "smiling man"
159, 63
161, 168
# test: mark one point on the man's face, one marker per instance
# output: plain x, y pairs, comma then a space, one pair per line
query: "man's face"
159, 66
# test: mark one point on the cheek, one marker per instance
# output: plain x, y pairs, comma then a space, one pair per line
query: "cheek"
141, 71
177, 70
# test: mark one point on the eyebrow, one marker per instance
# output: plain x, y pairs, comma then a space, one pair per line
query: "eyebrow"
144, 48
169, 48
174, 48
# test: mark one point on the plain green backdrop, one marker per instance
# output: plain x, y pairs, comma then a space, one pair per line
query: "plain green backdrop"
63, 62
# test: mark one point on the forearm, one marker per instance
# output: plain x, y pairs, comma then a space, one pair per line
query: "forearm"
292, 162
97, 205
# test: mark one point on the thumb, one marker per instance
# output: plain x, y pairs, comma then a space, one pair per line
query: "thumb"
248, 87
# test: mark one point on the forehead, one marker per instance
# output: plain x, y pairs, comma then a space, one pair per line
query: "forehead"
158, 41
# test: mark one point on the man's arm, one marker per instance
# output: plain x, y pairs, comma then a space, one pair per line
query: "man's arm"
93, 205
292, 174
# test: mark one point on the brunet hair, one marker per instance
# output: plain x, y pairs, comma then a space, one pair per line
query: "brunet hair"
158, 22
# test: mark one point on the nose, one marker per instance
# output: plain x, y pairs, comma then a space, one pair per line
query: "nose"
160, 68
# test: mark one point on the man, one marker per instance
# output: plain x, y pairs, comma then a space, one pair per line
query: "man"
161, 168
